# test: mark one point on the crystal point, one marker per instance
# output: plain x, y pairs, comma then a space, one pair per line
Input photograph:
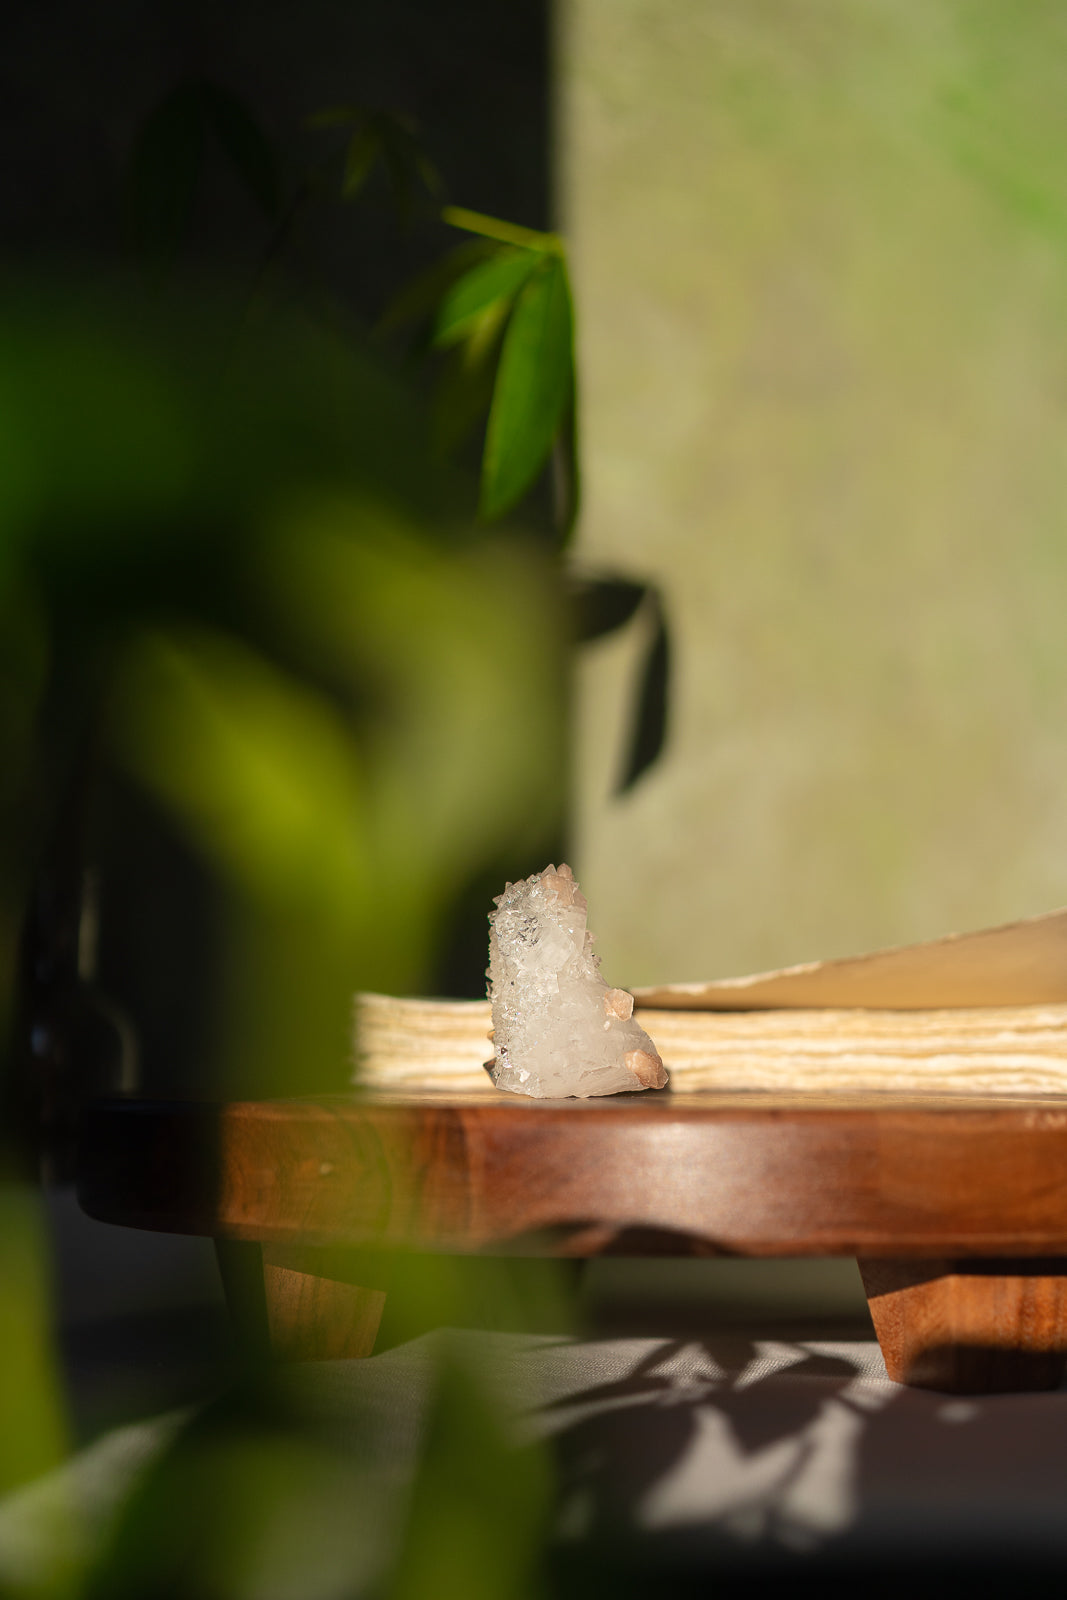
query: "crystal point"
558, 1028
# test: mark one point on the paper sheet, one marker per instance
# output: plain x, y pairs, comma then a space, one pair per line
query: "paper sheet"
1017, 964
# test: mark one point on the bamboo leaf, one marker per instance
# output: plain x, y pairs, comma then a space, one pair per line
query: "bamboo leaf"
407, 164
535, 381
465, 386
491, 281
423, 293
401, 135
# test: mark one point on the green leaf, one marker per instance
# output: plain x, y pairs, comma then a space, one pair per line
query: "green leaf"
386, 136
535, 381
33, 1439
409, 168
479, 1506
423, 293
167, 156
497, 279
465, 386
247, 146
400, 136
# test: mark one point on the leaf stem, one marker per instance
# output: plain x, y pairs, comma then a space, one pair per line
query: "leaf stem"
506, 232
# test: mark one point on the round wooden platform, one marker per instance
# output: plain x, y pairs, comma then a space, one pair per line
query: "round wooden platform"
751, 1175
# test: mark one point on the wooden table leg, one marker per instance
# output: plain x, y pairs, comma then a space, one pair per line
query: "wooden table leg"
970, 1326
297, 1304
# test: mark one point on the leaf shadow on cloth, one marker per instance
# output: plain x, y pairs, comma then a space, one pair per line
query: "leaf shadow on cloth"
714, 1433
782, 1458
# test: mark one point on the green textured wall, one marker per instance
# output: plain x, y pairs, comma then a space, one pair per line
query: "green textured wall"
821, 266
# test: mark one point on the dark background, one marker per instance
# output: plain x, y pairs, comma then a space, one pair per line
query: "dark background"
75, 89
78, 80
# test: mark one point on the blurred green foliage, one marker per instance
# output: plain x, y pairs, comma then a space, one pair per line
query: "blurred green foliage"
234, 568
479, 1506
33, 1435
253, 1500
260, 594
240, 567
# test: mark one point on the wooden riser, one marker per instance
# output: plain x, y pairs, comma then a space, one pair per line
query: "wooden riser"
955, 1207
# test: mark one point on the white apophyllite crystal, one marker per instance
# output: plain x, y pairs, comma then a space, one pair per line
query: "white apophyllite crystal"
557, 1028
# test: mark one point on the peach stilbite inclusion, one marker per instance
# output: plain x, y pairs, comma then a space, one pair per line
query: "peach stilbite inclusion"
558, 1029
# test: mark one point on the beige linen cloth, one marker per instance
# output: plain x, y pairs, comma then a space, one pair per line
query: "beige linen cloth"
723, 1452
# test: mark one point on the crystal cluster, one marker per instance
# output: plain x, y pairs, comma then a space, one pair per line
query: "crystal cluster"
557, 1028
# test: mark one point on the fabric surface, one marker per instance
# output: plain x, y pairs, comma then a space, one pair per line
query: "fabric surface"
722, 1448
731, 1441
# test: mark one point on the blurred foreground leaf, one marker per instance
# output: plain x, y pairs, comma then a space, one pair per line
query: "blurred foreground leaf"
263, 771
239, 563
462, 653
497, 1294
246, 1504
266, 779
479, 1509
32, 1431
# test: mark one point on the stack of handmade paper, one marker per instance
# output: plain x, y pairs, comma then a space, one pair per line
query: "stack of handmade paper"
979, 1013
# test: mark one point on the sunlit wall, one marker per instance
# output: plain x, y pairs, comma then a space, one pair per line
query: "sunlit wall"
821, 265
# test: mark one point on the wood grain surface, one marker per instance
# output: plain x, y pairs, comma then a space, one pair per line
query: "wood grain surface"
756, 1174
314, 1311
291, 1303
970, 1327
